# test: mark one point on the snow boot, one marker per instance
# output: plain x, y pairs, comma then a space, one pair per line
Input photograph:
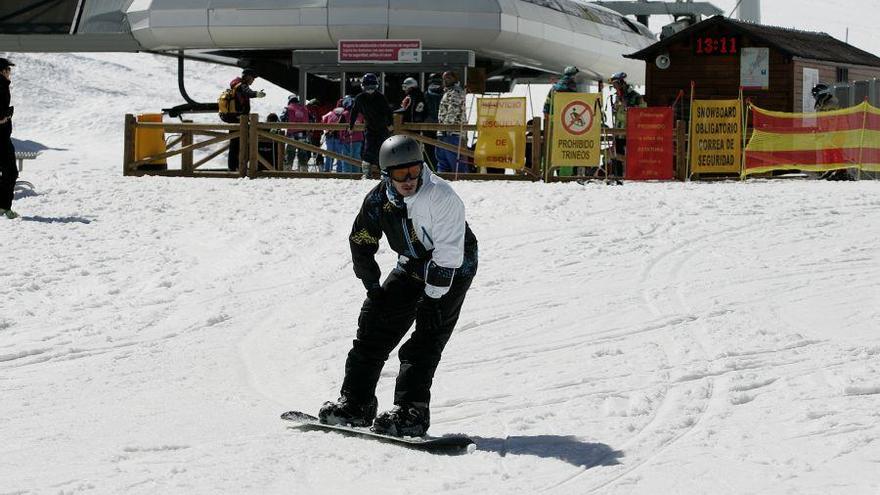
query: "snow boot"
9, 214
348, 412
403, 420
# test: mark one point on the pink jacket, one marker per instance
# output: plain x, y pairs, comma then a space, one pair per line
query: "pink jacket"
354, 136
296, 113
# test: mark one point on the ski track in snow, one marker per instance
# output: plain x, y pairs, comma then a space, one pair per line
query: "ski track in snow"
651, 338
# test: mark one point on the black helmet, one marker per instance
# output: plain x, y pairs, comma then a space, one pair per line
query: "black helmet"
399, 151
369, 81
247, 71
293, 98
618, 76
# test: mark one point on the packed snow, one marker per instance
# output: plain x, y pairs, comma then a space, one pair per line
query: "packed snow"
652, 338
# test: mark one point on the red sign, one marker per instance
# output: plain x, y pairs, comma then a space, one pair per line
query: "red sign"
380, 51
649, 144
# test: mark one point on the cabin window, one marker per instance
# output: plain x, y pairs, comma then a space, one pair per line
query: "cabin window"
842, 74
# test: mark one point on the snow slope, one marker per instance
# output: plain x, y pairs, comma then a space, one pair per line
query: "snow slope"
648, 339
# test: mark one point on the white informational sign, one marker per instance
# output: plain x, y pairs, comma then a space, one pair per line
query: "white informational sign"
754, 70
811, 79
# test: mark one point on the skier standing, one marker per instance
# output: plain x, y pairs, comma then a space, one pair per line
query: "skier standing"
413, 105
623, 98
424, 221
451, 112
8, 168
376, 110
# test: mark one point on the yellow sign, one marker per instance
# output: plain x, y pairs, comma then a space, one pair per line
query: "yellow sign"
576, 122
716, 136
501, 124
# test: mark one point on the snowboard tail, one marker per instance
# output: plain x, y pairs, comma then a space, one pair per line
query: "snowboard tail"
427, 443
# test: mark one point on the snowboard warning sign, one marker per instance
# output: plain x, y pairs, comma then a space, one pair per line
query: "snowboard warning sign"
576, 126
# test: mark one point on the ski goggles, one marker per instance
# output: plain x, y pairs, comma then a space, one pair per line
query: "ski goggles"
405, 174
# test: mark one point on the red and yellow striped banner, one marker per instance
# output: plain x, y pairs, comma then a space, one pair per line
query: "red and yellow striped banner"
848, 138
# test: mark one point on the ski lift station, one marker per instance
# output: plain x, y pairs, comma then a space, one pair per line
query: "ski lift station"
295, 43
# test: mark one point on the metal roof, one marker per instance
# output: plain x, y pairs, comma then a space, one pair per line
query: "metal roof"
796, 43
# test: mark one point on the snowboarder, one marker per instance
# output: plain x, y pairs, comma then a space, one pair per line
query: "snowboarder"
8, 168
424, 221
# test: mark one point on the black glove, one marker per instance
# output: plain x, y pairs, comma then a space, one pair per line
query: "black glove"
429, 316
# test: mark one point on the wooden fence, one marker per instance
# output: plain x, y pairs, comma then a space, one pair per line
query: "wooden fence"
213, 140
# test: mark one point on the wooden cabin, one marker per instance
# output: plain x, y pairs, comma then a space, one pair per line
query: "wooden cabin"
777, 67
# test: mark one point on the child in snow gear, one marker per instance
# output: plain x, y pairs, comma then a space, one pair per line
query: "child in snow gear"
424, 221
238, 104
8, 167
376, 110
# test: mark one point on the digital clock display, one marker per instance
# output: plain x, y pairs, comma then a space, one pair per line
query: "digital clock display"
716, 45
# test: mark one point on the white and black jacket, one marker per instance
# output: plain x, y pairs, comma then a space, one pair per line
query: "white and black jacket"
427, 230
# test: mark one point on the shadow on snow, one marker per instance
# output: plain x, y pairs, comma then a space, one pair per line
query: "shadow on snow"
565, 448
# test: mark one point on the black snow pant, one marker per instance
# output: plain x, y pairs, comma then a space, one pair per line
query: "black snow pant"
373, 139
380, 329
8, 168
234, 148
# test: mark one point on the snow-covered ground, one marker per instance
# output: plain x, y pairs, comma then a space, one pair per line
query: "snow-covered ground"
717, 338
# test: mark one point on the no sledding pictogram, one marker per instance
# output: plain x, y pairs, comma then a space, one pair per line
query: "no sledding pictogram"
577, 117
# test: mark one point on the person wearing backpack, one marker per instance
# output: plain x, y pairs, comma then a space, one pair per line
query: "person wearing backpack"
235, 102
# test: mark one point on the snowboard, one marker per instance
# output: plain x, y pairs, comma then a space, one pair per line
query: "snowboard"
449, 443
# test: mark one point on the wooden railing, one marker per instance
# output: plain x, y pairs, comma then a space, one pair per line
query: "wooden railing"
185, 138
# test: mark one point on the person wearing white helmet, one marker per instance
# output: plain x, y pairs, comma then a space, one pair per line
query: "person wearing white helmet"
423, 220
413, 105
